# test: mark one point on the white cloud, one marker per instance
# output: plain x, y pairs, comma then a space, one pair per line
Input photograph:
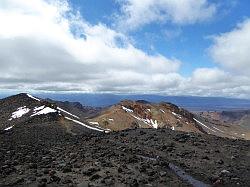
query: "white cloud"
207, 76
217, 82
39, 51
137, 13
231, 49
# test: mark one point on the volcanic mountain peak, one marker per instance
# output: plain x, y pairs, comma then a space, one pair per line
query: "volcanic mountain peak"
136, 114
24, 108
132, 114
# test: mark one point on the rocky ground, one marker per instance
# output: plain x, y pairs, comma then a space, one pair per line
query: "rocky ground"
46, 155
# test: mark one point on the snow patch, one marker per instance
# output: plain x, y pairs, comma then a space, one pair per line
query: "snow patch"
89, 127
67, 112
148, 110
127, 109
147, 121
94, 123
9, 128
174, 113
19, 113
172, 128
177, 115
43, 110
154, 123
162, 111
39, 108
243, 135
32, 97
203, 125
110, 119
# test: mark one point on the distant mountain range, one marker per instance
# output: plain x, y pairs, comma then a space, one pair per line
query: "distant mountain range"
73, 116
191, 103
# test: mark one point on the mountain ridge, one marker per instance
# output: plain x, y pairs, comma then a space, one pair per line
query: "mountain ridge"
22, 108
192, 103
123, 115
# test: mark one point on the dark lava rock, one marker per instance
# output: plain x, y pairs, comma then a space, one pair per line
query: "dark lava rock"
67, 180
67, 169
94, 177
42, 180
205, 157
33, 166
46, 154
46, 171
90, 171
220, 161
55, 178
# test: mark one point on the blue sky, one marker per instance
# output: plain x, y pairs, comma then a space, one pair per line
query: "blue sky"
189, 43
167, 47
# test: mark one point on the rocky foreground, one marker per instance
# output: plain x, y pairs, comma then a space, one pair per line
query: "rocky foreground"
46, 155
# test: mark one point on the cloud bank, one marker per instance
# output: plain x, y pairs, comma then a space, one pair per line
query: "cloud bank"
136, 13
231, 50
47, 46
38, 47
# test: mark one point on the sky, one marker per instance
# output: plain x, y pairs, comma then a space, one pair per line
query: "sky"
166, 47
